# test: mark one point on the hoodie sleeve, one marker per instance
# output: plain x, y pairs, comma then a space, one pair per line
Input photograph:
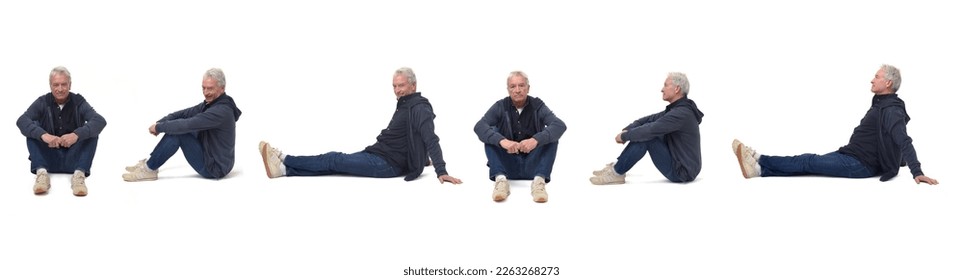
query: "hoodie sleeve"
94, 123
554, 127
644, 120
487, 127
425, 120
29, 122
894, 120
656, 125
182, 114
213, 117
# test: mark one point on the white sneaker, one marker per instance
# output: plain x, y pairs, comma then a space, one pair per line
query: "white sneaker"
502, 190
607, 176
140, 164
609, 166
42, 184
78, 185
538, 190
141, 174
272, 160
747, 159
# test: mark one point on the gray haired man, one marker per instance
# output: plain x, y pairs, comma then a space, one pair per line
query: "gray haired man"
205, 134
62, 131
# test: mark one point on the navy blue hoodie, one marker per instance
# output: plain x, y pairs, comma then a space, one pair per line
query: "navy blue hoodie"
496, 123
39, 118
215, 125
678, 125
880, 141
419, 138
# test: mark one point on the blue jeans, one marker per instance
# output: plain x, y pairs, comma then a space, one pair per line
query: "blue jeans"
832, 164
189, 145
538, 162
357, 164
658, 151
80, 156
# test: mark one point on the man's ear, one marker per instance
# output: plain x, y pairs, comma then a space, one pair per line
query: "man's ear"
889, 84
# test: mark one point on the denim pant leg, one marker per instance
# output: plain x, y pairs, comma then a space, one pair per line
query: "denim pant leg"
539, 162
193, 152
189, 145
42, 156
832, 164
501, 162
357, 164
658, 151
80, 156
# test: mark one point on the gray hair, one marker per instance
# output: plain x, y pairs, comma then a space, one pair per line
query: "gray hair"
679, 79
892, 74
518, 73
60, 70
218, 75
408, 73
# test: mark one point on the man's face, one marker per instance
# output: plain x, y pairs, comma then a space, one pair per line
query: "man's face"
518, 89
402, 86
880, 84
60, 87
670, 91
211, 90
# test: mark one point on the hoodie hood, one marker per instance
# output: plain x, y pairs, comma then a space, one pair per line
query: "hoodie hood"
688, 103
225, 99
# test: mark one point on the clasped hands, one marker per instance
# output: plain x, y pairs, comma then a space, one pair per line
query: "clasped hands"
64, 141
525, 146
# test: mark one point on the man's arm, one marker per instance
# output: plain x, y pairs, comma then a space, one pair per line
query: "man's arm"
94, 123
554, 127
29, 121
425, 120
183, 113
487, 127
212, 118
664, 123
644, 120
894, 120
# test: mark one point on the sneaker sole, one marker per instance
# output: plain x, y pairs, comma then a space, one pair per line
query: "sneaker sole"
264, 159
140, 180
608, 183
742, 166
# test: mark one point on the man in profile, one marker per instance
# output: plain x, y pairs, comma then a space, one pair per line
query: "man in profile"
204, 133
878, 147
404, 148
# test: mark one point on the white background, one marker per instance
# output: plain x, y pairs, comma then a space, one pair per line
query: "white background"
786, 78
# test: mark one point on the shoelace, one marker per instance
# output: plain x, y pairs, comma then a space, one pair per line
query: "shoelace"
751, 151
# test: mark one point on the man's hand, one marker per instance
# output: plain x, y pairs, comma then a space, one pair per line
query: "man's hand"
53, 142
68, 140
618, 138
447, 178
153, 129
510, 146
928, 180
528, 145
